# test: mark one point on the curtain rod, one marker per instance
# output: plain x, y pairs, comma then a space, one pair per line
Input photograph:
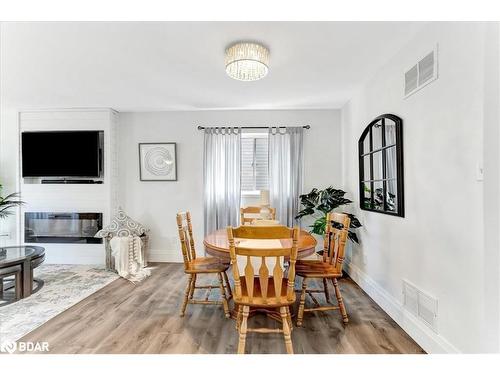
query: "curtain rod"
254, 127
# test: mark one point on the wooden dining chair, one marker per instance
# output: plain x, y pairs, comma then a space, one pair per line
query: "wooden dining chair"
327, 268
194, 266
253, 211
273, 288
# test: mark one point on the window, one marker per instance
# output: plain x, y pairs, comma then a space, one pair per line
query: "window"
254, 163
381, 166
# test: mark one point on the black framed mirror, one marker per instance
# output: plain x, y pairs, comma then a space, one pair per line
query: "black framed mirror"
381, 166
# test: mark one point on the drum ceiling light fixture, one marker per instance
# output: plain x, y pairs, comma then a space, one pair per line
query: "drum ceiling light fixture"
247, 61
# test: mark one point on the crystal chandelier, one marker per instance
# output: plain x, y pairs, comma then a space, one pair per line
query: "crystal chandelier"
247, 61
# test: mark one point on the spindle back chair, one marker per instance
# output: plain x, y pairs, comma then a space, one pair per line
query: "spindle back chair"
329, 267
273, 287
186, 237
194, 266
252, 210
336, 234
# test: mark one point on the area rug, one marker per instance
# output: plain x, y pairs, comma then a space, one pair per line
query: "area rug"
65, 285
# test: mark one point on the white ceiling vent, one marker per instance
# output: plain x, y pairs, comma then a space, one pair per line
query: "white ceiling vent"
420, 304
422, 73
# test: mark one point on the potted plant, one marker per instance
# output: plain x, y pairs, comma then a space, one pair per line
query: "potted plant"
8, 202
318, 203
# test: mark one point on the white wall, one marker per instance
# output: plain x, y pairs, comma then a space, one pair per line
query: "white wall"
9, 167
156, 203
439, 245
491, 157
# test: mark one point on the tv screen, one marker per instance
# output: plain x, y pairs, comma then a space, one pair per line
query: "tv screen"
60, 154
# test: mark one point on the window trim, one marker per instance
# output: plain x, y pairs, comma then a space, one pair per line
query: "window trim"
383, 149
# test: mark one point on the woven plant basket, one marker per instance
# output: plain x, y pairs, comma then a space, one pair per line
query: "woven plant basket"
110, 260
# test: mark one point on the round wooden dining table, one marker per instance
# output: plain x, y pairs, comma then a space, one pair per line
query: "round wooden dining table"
217, 245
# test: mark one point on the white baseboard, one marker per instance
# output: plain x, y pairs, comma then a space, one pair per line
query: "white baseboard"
429, 340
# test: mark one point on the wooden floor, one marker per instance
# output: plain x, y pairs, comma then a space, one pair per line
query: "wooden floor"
123, 318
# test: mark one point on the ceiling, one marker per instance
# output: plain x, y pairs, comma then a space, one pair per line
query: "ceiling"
180, 65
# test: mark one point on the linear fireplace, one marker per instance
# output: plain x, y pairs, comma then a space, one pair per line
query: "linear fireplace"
62, 227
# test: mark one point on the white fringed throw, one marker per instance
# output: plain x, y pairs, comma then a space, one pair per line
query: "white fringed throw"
129, 262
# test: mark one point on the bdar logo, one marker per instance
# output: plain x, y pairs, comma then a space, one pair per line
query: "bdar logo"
8, 347
24, 346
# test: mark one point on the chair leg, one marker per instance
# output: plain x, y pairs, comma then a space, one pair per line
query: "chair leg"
243, 330
192, 287
223, 295
300, 314
340, 301
238, 317
325, 287
187, 295
286, 329
289, 317
1, 289
228, 286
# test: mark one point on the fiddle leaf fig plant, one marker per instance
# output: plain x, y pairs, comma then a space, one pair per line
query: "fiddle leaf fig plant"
318, 203
8, 202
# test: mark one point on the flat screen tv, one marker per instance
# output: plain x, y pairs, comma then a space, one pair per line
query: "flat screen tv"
61, 154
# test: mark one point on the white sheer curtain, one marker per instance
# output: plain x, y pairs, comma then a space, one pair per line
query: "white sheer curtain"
286, 172
221, 177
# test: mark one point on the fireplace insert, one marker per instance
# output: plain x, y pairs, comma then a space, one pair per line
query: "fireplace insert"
62, 227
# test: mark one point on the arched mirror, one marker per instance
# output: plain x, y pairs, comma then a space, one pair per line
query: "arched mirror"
381, 166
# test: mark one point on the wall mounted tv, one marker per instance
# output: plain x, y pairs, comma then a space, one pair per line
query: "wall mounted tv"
61, 154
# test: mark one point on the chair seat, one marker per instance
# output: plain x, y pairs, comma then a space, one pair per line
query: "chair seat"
206, 265
258, 300
316, 268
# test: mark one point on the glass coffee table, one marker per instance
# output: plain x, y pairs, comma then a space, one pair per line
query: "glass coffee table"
26, 259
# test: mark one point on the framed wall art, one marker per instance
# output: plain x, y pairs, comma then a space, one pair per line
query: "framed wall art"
157, 162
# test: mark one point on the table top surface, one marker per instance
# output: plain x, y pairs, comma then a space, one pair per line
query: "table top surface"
217, 244
10, 254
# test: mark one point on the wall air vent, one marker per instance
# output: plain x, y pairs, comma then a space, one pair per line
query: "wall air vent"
422, 73
420, 304
411, 80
